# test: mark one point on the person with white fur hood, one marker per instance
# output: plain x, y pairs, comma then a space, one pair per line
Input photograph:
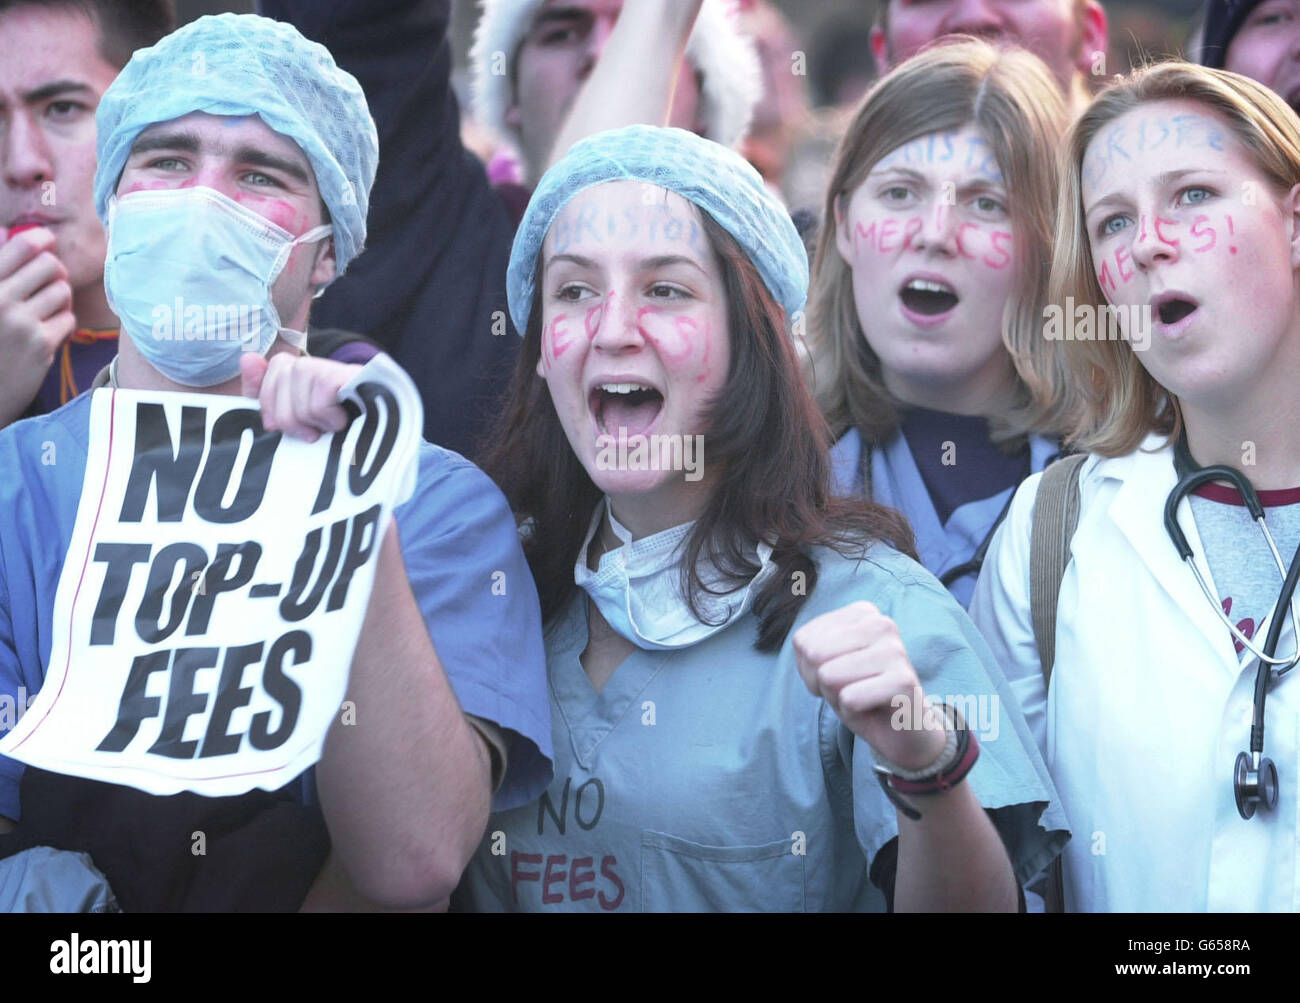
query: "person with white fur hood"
531, 59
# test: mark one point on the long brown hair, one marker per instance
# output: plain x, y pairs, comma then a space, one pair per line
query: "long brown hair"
1014, 101
1114, 401
765, 435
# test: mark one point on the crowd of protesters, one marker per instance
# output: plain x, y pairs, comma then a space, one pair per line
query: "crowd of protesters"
834, 656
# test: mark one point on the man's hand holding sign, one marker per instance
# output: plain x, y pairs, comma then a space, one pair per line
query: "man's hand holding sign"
301, 396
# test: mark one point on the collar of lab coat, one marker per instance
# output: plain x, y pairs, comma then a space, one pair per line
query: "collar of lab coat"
1145, 478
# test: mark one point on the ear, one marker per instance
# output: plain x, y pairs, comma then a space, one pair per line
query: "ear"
1291, 208
1093, 35
843, 240
326, 268
879, 50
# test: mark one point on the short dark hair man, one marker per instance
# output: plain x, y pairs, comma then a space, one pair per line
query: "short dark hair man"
56, 330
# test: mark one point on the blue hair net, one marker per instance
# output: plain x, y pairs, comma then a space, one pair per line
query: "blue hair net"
242, 64
715, 178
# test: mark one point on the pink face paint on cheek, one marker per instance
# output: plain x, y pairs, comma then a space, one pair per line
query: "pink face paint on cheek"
1122, 258
1231, 232
910, 229
674, 341
591, 322
1160, 234
864, 235
961, 247
156, 186
688, 330
559, 336
889, 236
287, 217
1105, 279
704, 359
1201, 228
1001, 246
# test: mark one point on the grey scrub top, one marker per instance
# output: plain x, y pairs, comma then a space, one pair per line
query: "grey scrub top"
709, 778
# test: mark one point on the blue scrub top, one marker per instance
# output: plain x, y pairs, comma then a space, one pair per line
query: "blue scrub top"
709, 778
456, 533
896, 482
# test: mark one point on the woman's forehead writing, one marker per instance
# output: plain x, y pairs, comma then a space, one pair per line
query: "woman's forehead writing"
962, 149
596, 228
1159, 128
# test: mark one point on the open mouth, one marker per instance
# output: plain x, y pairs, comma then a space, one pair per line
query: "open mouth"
632, 407
1174, 309
927, 297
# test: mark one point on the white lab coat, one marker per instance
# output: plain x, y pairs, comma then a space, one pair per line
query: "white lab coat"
1149, 705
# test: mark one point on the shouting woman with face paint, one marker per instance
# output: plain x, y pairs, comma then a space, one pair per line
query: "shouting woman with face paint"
1173, 741
754, 694
931, 263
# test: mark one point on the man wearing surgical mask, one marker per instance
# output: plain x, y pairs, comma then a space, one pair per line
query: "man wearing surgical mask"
200, 189
256, 204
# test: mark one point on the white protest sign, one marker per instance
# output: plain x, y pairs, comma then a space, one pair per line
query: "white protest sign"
214, 588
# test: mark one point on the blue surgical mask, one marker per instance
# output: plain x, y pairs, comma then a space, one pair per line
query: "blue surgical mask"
189, 273
637, 587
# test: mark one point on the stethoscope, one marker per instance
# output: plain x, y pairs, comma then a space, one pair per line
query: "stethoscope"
1254, 777
976, 562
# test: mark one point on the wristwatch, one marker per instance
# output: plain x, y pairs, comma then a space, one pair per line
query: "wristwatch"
957, 758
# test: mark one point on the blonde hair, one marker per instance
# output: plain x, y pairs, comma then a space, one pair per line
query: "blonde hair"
1113, 402
1012, 98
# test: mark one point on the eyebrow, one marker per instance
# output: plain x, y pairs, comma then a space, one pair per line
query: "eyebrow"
55, 88
252, 155
575, 259
975, 185
665, 260
189, 142
907, 172
1161, 180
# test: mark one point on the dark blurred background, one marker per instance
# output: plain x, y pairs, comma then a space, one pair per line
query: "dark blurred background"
836, 29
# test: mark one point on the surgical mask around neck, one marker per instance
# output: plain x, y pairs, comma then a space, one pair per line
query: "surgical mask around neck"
189, 274
637, 587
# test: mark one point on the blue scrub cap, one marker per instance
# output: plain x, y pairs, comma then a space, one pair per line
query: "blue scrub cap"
243, 64
715, 178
